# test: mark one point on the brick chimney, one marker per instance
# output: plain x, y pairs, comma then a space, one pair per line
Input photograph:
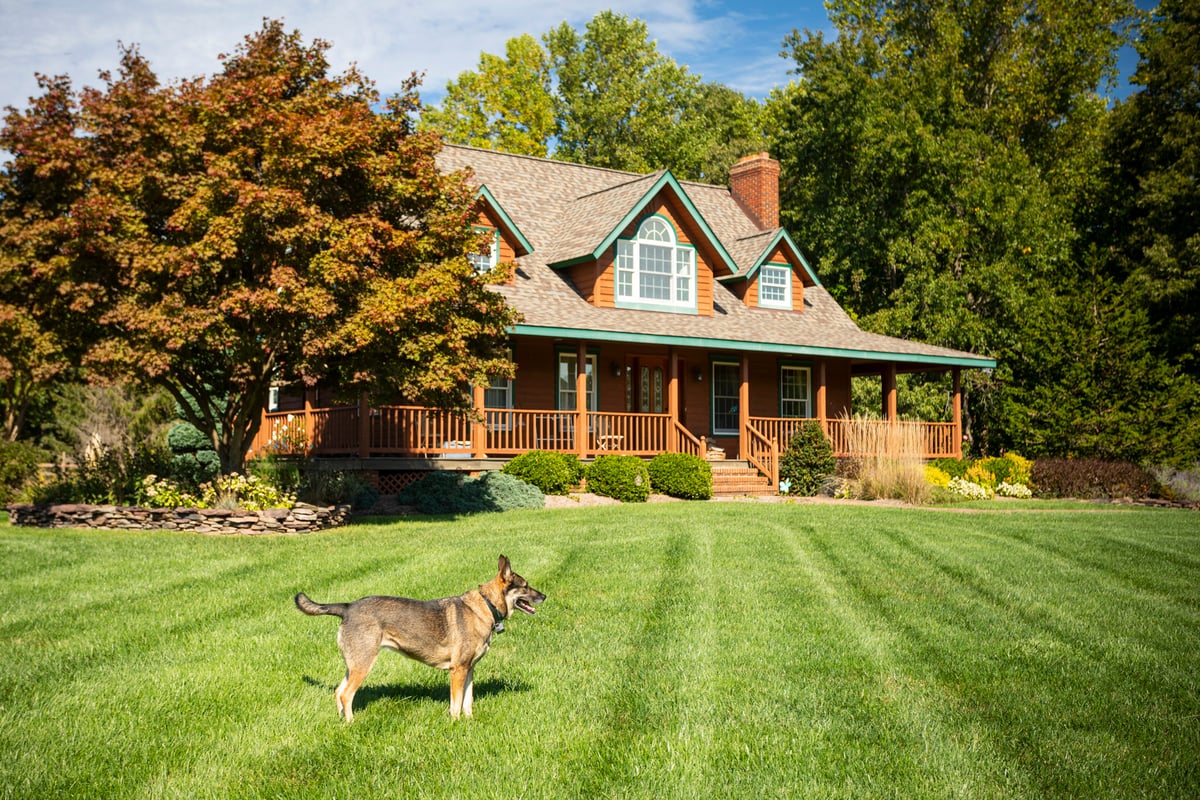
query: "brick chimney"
754, 181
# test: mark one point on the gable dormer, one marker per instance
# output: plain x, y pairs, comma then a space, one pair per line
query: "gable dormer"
507, 242
776, 273
642, 245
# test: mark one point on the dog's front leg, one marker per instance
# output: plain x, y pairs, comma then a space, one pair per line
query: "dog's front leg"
459, 681
469, 691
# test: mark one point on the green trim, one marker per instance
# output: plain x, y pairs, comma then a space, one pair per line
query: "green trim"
972, 362
506, 220
783, 236
667, 179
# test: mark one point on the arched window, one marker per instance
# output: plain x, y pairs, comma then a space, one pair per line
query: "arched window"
653, 269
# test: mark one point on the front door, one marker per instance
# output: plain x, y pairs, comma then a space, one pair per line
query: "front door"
646, 385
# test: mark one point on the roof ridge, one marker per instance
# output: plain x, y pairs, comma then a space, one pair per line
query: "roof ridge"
543, 159
655, 175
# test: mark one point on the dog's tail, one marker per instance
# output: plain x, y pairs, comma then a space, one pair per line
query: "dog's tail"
316, 609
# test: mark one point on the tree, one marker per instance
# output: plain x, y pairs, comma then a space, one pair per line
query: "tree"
37, 351
605, 97
506, 104
934, 155
1150, 197
264, 225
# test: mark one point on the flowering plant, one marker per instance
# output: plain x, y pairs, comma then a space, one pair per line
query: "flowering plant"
971, 491
1005, 489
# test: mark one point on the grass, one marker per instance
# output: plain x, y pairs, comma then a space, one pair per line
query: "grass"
686, 650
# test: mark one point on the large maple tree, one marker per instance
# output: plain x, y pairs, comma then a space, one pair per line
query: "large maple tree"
272, 222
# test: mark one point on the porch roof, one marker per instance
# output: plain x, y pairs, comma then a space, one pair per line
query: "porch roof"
539, 195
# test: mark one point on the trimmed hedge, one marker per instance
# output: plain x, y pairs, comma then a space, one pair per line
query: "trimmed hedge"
458, 493
553, 473
623, 478
681, 475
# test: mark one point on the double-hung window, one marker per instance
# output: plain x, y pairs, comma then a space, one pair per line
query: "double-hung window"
485, 261
725, 390
568, 369
775, 286
794, 392
654, 270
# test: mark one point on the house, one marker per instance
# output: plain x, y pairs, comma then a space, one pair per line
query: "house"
658, 315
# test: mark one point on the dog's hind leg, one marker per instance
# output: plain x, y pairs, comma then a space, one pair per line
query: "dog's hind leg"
355, 675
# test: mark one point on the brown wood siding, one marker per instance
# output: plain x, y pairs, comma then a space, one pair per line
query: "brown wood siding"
837, 388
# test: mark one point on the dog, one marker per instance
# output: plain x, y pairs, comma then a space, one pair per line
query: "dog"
452, 633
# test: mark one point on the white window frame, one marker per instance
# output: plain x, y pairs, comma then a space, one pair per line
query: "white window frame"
655, 244
795, 407
736, 396
564, 377
773, 293
487, 263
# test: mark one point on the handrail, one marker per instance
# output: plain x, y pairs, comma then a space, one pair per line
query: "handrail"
763, 454
687, 443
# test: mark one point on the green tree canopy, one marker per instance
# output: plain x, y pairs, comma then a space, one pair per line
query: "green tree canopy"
606, 97
218, 235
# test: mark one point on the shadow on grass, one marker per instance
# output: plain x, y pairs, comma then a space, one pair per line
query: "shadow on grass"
366, 695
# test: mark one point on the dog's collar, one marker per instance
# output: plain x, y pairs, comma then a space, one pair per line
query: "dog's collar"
497, 617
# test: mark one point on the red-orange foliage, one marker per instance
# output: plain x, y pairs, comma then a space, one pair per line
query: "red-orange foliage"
266, 223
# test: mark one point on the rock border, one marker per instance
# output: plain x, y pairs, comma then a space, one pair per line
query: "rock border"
302, 518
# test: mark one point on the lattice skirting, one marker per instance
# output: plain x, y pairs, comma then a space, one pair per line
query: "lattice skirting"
396, 481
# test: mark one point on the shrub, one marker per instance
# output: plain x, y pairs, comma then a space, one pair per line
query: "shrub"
937, 477
980, 475
681, 475
249, 492
324, 487
623, 478
1089, 478
807, 461
18, 467
954, 467
553, 473
105, 474
446, 492
1021, 470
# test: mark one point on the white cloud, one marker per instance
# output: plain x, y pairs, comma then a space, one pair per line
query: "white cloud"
388, 40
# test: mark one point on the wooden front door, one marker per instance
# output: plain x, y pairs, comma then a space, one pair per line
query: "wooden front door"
646, 385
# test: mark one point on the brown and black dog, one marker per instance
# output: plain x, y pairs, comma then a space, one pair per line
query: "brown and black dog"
452, 633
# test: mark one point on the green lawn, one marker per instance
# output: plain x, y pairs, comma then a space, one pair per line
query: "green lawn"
685, 650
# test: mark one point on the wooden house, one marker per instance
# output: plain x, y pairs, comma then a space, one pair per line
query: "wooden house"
659, 315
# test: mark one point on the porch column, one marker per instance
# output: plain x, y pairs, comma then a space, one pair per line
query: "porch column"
478, 424
822, 411
672, 400
956, 407
581, 431
889, 392
364, 425
744, 408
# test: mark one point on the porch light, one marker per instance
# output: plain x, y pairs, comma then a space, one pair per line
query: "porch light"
616, 369
699, 375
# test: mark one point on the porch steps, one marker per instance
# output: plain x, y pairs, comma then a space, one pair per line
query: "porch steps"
734, 478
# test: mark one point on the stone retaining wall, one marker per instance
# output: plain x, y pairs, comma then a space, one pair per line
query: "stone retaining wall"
302, 518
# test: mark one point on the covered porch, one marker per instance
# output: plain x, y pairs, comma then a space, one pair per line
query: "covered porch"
626, 401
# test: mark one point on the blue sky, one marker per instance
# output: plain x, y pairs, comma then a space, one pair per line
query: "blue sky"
735, 42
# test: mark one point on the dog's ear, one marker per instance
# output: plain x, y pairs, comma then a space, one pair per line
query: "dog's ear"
504, 567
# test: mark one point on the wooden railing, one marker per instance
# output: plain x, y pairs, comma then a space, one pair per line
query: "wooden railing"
425, 432
762, 453
936, 438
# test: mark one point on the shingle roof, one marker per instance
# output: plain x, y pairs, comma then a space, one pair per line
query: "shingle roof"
566, 210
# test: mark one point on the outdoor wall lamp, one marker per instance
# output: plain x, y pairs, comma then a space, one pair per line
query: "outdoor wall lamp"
699, 375
616, 369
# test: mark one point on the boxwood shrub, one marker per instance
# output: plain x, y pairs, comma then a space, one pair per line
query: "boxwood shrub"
681, 475
553, 473
446, 492
623, 478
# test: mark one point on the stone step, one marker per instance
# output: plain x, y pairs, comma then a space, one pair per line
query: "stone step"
734, 477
